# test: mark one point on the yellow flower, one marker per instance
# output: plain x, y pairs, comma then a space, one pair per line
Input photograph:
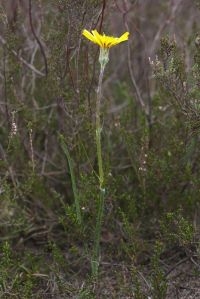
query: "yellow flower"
104, 41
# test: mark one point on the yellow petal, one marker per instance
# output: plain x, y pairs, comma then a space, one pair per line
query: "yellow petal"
98, 37
114, 42
88, 35
124, 37
105, 41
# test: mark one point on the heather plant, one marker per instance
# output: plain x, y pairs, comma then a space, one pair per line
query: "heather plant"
176, 229
158, 282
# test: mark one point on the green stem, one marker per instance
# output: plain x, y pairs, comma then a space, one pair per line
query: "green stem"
96, 253
100, 206
99, 129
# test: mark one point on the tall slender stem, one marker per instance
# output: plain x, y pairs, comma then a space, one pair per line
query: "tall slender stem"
99, 129
100, 206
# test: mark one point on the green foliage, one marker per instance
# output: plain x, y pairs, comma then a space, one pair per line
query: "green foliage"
137, 287
74, 188
15, 277
159, 285
6, 262
177, 229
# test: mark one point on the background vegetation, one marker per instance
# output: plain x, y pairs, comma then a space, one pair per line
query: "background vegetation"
151, 119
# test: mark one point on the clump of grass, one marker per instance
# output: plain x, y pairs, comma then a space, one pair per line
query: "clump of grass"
74, 187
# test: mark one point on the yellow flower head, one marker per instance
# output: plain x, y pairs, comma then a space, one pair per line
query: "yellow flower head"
104, 41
